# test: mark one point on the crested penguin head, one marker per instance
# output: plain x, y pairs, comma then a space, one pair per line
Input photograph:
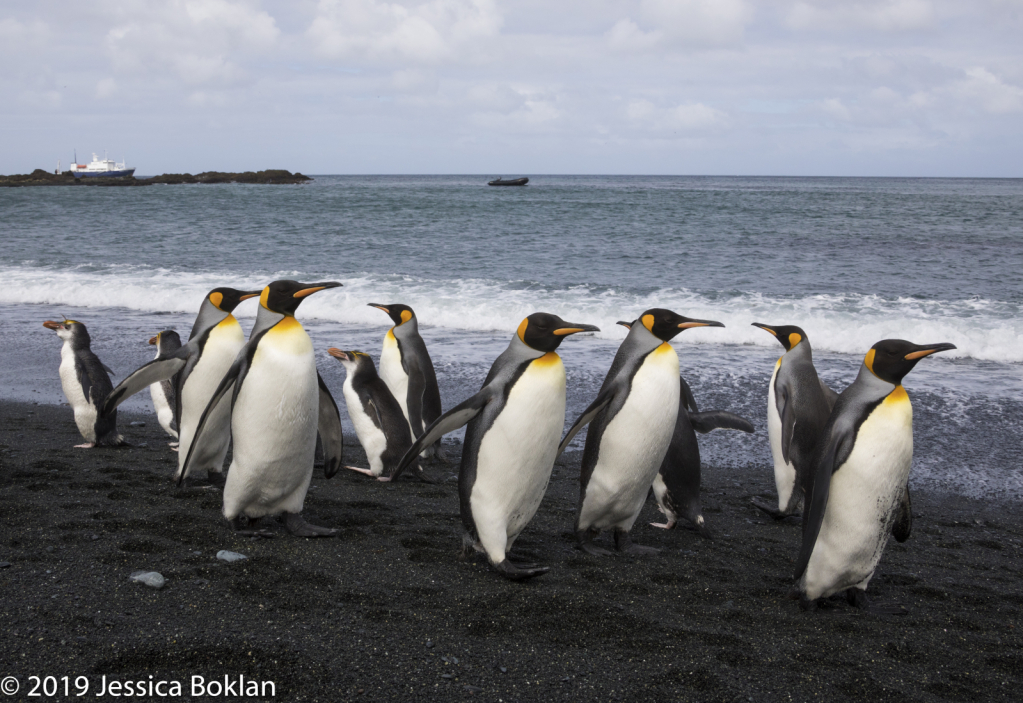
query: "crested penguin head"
891, 359
788, 335
544, 332
165, 341
227, 299
399, 314
353, 361
70, 331
665, 324
284, 297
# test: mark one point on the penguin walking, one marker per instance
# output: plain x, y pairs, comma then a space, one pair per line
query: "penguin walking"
511, 441
798, 406
199, 365
632, 421
164, 392
86, 384
860, 493
278, 405
379, 423
406, 368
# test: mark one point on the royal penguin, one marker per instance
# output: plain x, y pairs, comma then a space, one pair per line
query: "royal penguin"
632, 421
676, 487
379, 423
514, 422
199, 366
164, 393
278, 403
798, 406
86, 384
860, 492
406, 368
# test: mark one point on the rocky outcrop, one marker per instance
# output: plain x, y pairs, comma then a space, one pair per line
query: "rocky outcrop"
40, 177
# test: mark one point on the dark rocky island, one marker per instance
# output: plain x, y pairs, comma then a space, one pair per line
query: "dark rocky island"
39, 177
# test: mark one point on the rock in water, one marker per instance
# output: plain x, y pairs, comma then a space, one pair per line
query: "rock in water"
152, 579
227, 556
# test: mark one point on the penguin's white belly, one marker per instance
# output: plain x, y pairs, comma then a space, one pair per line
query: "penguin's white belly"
370, 436
274, 427
84, 410
222, 346
634, 444
863, 500
784, 473
393, 374
164, 412
517, 454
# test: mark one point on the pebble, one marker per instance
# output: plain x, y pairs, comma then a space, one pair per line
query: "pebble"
227, 556
5, 564
137, 424
429, 643
152, 579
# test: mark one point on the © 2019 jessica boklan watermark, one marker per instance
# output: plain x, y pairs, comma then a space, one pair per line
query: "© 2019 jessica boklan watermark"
149, 688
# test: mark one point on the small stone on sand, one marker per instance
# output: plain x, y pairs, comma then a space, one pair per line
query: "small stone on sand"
224, 555
152, 579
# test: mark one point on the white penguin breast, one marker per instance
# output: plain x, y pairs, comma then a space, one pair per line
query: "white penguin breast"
863, 498
634, 443
517, 452
370, 436
784, 473
392, 373
84, 410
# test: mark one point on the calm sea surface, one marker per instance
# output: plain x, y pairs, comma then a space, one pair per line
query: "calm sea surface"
852, 261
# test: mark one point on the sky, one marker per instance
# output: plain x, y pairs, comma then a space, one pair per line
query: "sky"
525, 87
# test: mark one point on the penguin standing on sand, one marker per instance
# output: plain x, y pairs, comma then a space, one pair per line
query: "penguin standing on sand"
632, 422
514, 422
798, 406
860, 493
164, 393
212, 346
86, 385
379, 423
406, 368
278, 404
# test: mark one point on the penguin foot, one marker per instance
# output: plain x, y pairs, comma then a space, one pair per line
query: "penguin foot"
857, 598
361, 471
216, 478
425, 478
625, 545
87, 445
250, 529
593, 550
173, 447
667, 525
806, 604
519, 572
770, 509
296, 525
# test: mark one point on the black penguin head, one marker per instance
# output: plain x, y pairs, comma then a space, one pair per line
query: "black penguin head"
398, 313
227, 299
544, 332
788, 335
70, 331
353, 361
891, 359
284, 297
665, 324
166, 341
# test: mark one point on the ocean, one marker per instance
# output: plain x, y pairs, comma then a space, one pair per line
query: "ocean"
852, 261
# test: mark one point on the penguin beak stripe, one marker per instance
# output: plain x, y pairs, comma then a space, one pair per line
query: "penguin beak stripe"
337, 353
694, 323
154, 340
919, 354
308, 291
380, 307
51, 325
765, 328
575, 328
248, 295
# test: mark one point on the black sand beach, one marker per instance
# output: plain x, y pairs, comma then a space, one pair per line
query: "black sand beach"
386, 611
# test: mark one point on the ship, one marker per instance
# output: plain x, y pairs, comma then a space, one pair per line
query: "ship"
101, 168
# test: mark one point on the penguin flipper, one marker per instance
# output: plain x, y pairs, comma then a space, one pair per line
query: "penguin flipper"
787, 412
589, 413
414, 396
448, 422
838, 449
904, 518
718, 420
142, 378
688, 399
329, 427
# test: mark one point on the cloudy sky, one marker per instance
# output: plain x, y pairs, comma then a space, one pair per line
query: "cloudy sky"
775, 87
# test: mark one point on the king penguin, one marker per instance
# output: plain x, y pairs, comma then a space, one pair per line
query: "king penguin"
798, 406
278, 405
514, 422
676, 487
213, 344
164, 393
379, 423
632, 421
860, 491
86, 385
406, 368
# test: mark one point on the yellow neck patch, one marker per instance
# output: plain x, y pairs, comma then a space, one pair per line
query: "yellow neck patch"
868, 361
264, 297
522, 330
548, 359
648, 322
898, 395
794, 339
405, 316
217, 299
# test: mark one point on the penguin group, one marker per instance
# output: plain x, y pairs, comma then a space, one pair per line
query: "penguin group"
841, 461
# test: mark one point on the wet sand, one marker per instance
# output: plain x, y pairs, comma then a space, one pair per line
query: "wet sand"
386, 611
